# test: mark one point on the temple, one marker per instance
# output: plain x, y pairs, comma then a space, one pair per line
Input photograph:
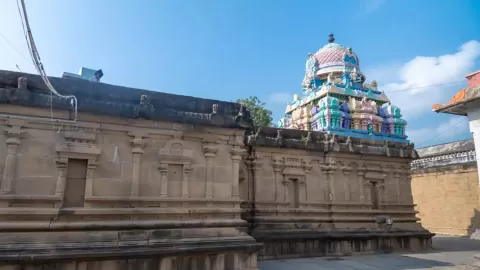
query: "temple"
337, 100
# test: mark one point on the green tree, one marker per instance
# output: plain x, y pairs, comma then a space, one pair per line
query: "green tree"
261, 116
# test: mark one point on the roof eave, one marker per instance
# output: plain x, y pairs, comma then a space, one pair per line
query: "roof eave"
459, 108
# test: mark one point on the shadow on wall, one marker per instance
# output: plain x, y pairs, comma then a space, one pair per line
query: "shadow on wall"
474, 222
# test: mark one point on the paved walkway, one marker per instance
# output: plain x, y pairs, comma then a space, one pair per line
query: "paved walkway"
449, 253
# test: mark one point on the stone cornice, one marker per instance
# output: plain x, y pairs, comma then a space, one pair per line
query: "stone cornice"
323, 142
461, 158
445, 169
118, 101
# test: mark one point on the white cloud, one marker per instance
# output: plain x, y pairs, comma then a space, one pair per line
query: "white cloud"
370, 6
422, 72
448, 130
280, 98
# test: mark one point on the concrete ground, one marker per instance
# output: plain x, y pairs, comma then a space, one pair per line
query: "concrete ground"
448, 253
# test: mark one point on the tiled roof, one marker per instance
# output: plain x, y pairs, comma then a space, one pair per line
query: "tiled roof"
459, 96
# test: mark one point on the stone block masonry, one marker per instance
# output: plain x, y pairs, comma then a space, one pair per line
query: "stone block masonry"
313, 194
146, 179
445, 188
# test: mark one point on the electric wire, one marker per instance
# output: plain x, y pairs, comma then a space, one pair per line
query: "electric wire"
14, 48
441, 132
38, 64
426, 86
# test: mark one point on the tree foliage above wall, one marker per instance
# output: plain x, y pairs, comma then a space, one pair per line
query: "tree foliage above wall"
261, 116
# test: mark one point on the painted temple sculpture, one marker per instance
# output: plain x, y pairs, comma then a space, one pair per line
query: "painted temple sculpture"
337, 100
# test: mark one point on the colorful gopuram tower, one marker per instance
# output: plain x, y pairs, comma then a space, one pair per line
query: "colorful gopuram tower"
337, 100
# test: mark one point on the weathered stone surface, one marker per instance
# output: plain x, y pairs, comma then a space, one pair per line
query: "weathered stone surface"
445, 188
313, 194
118, 101
323, 142
128, 184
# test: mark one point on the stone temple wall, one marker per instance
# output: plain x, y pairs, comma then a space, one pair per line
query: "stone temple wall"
141, 184
445, 188
139, 190
312, 194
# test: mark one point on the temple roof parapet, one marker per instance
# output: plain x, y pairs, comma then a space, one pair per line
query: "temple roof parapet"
325, 142
448, 154
24, 89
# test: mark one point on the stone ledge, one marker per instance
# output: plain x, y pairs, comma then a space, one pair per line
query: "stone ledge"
273, 234
58, 225
138, 251
158, 199
259, 220
313, 247
324, 142
333, 211
451, 168
118, 101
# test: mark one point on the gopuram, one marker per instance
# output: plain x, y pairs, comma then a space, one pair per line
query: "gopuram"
337, 100
133, 179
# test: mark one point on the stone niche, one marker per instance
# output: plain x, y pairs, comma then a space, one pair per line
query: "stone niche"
175, 166
316, 194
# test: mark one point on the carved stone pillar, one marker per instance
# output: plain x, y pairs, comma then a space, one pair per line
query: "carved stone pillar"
186, 172
329, 170
236, 159
163, 168
277, 169
62, 164
138, 144
346, 173
249, 180
408, 192
307, 167
396, 176
368, 192
302, 190
381, 191
92, 166
256, 166
13, 135
361, 184
210, 153
285, 183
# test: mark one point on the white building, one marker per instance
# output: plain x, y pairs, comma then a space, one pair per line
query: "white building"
466, 102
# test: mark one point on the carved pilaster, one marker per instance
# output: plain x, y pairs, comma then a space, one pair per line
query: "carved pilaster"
236, 154
92, 166
396, 176
163, 169
329, 171
346, 169
210, 153
278, 167
62, 164
381, 191
303, 182
368, 190
186, 172
285, 183
13, 135
361, 183
138, 143
256, 166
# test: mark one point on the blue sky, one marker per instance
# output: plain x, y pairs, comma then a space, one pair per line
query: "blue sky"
229, 49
